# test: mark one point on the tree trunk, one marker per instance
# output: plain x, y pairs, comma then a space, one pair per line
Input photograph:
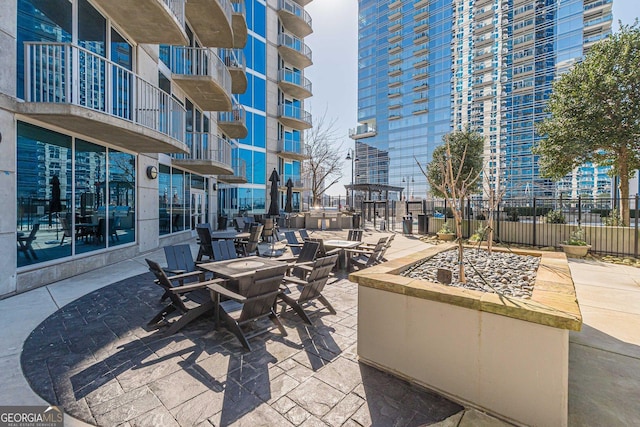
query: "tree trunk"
457, 213
624, 193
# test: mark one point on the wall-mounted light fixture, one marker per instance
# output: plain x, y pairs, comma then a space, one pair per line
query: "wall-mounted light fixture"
152, 172
215, 187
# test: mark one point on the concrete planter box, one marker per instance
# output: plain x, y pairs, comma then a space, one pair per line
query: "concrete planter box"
575, 251
447, 237
506, 356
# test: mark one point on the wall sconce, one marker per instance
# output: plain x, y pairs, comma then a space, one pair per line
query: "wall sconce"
152, 172
215, 187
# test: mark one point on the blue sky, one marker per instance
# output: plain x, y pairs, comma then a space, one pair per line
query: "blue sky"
334, 73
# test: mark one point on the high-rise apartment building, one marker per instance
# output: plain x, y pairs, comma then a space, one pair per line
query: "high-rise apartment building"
428, 67
126, 124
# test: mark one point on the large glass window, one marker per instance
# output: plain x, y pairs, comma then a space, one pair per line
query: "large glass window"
174, 192
122, 200
164, 205
64, 211
259, 18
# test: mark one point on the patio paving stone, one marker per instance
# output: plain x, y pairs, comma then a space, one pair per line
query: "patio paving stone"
95, 358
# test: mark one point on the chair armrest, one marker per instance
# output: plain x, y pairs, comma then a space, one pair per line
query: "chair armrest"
194, 286
174, 271
359, 251
219, 289
295, 280
185, 275
334, 251
295, 245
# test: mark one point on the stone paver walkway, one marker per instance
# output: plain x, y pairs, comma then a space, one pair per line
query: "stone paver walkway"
94, 358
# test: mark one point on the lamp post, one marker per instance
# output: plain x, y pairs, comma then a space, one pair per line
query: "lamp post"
408, 185
351, 155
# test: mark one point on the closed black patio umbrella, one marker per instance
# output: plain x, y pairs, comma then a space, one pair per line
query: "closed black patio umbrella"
288, 206
274, 209
55, 203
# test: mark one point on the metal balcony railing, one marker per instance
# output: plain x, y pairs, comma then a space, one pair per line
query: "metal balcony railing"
68, 74
236, 115
294, 43
238, 7
197, 61
291, 146
205, 146
296, 78
233, 58
239, 167
293, 112
295, 9
177, 7
297, 182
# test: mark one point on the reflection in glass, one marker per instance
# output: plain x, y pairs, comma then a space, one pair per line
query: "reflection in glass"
164, 205
43, 190
177, 200
90, 224
122, 198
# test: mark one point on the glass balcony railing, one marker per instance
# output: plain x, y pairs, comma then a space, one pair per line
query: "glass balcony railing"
68, 74
233, 58
297, 181
293, 148
239, 7
362, 131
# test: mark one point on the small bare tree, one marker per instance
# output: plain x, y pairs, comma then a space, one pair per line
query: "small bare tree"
495, 193
454, 174
323, 167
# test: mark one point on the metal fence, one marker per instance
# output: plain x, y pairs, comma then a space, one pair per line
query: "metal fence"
542, 222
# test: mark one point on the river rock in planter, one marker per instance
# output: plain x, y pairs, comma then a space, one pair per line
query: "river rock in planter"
503, 273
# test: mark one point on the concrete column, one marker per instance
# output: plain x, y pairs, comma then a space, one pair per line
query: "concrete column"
147, 206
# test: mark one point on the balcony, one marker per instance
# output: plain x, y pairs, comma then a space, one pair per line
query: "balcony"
362, 131
209, 154
234, 123
294, 84
303, 2
239, 24
294, 51
290, 149
295, 179
203, 76
294, 117
150, 21
294, 18
211, 20
239, 175
81, 92
234, 60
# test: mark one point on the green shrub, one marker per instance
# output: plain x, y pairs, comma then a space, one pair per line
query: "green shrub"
614, 219
555, 217
446, 228
577, 238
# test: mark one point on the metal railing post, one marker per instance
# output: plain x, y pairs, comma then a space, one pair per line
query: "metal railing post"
535, 240
635, 237
579, 210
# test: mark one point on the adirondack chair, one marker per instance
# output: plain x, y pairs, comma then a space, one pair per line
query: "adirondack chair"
355, 235
363, 258
204, 235
293, 243
254, 300
224, 250
24, 243
303, 234
309, 289
307, 255
180, 261
188, 302
251, 245
387, 245
269, 231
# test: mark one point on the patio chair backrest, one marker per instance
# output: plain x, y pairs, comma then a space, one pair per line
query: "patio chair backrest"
254, 238
179, 257
355, 235
204, 234
308, 252
261, 292
387, 245
317, 279
303, 234
239, 223
224, 250
321, 249
267, 231
292, 240
374, 258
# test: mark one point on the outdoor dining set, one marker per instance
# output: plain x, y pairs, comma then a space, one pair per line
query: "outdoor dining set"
231, 281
